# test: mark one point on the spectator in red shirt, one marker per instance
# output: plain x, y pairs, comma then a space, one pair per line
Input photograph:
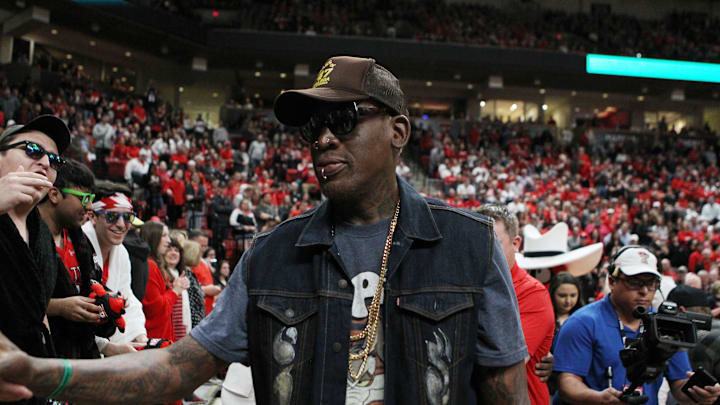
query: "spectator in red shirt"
203, 273
119, 150
175, 190
138, 112
162, 291
180, 156
133, 150
536, 314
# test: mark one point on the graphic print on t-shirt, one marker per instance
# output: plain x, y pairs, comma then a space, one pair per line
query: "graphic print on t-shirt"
369, 388
67, 254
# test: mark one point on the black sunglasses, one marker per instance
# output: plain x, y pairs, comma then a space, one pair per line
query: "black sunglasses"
636, 284
340, 121
112, 216
36, 152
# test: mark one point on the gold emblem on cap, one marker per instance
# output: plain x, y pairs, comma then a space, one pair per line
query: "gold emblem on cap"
323, 76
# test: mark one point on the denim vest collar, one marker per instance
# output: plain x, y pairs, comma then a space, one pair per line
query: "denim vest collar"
415, 221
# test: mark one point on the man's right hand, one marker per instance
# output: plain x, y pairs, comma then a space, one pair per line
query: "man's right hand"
609, 396
21, 188
76, 309
573, 390
14, 368
113, 349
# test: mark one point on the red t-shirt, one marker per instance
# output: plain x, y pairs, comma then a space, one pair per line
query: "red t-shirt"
67, 254
106, 272
695, 258
139, 113
538, 324
204, 276
178, 189
158, 304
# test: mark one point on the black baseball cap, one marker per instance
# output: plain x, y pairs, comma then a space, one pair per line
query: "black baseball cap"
342, 79
49, 125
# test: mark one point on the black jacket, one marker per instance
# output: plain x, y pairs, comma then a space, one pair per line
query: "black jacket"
28, 273
139, 251
75, 340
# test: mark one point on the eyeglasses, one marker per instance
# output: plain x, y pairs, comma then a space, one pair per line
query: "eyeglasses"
112, 216
85, 198
36, 152
637, 284
340, 121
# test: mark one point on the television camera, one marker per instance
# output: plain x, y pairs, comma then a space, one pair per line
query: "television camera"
664, 333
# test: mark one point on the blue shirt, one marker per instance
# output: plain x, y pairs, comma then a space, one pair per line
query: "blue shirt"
590, 341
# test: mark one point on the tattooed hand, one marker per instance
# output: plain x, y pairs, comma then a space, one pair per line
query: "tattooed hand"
14, 372
146, 377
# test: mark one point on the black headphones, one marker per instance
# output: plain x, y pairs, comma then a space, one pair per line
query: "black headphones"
612, 270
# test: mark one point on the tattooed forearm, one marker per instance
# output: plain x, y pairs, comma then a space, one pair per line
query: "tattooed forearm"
152, 376
502, 385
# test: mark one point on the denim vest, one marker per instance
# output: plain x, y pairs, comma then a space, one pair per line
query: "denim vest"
300, 298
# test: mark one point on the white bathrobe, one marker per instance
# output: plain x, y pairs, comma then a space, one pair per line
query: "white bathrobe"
119, 281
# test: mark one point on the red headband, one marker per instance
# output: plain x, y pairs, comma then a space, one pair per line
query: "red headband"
115, 201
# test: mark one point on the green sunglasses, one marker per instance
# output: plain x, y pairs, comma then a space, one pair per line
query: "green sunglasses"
85, 198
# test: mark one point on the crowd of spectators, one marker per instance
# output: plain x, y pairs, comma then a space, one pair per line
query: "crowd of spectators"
679, 35
180, 170
658, 189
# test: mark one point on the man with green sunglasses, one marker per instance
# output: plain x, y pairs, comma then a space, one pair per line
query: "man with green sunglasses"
74, 319
86, 199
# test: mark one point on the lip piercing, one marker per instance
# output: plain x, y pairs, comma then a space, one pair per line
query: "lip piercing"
316, 145
322, 173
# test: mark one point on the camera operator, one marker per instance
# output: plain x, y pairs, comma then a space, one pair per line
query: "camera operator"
588, 346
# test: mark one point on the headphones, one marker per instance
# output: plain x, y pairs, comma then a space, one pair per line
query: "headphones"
615, 271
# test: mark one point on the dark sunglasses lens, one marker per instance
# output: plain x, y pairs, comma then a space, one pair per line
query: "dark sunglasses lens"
342, 121
34, 150
306, 133
113, 217
55, 160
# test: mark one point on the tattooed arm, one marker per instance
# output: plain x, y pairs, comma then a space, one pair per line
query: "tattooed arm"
502, 385
151, 376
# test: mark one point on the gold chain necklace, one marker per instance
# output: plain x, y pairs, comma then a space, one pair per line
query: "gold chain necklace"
370, 331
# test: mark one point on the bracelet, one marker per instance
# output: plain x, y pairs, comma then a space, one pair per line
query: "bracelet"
65, 379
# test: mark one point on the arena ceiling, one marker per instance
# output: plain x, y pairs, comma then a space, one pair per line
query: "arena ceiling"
157, 39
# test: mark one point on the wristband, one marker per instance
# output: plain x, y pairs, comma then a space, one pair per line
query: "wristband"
65, 379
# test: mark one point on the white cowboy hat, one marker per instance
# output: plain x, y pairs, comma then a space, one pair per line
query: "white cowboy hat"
551, 249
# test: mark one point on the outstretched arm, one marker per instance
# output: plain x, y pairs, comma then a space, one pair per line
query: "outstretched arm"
147, 377
502, 385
